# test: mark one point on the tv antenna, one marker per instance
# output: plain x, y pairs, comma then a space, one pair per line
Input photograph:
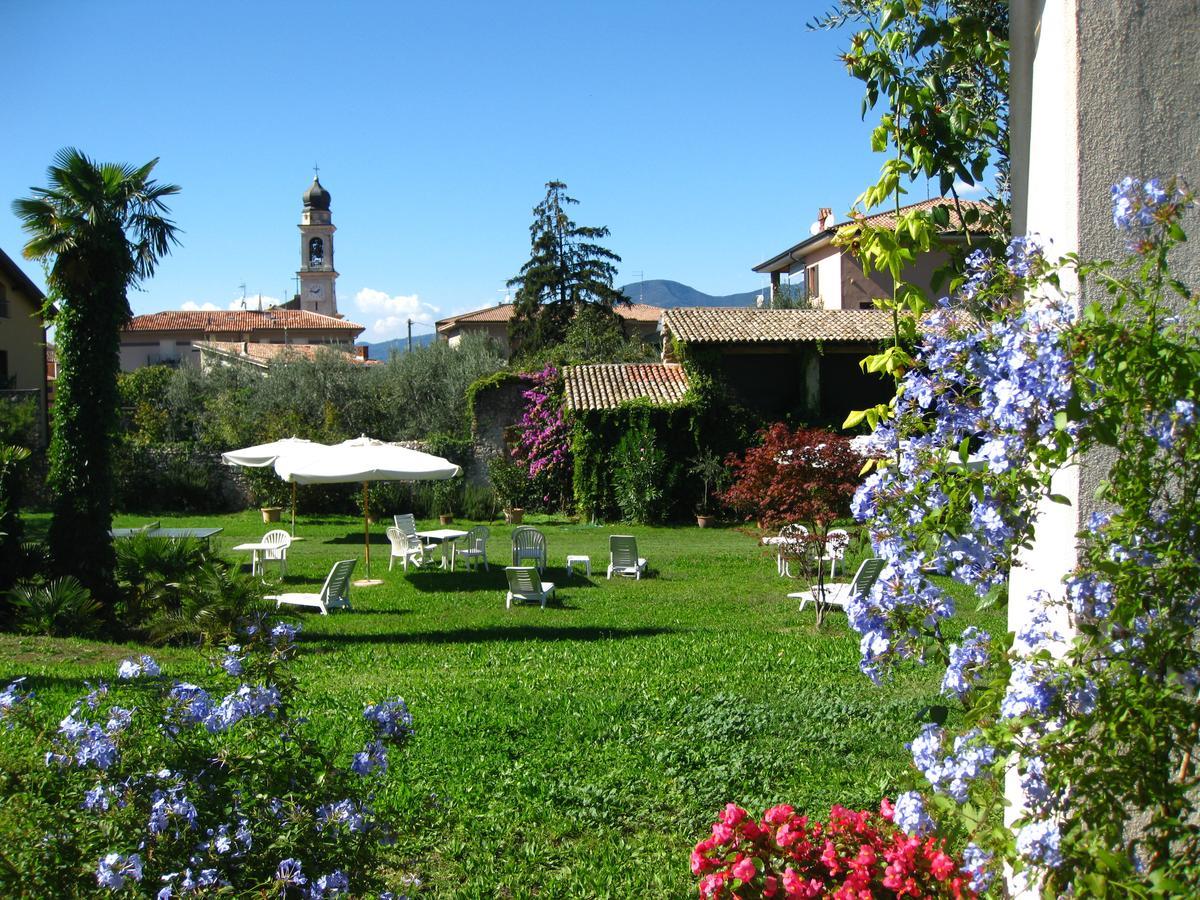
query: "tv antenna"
243, 287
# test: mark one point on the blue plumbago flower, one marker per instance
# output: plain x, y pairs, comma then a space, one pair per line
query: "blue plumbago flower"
1167, 427
976, 864
953, 773
11, 697
334, 884
100, 797
289, 873
170, 804
372, 757
118, 719
348, 813
95, 695
283, 634
245, 701
144, 665
92, 745
1034, 787
1021, 253
115, 868
190, 702
910, 816
1031, 691
232, 664
1140, 208
966, 660
390, 718
1040, 843
1091, 598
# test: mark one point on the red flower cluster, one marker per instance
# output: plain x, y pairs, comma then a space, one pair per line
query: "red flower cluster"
855, 856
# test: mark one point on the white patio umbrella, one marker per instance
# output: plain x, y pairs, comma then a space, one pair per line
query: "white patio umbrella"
363, 459
261, 455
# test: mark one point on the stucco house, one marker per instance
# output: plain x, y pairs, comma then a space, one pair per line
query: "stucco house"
260, 357
637, 319
170, 338
833, 279
22, 342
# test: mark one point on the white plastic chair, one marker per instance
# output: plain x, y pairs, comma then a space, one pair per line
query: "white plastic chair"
335, 593
623, 556
836, 543
528, 544
275, 547
791, 543
524, 583
404, 548
474, 548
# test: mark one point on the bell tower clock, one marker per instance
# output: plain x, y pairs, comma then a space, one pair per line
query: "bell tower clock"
317, 275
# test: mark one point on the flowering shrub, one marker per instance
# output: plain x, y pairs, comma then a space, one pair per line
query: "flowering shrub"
1092, 708
639, 475
806, 475
544, 447
853, 855
182, 789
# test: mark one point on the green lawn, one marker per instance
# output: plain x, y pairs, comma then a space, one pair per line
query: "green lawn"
580, 750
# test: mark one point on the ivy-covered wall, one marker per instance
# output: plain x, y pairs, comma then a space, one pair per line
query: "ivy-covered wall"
595, 437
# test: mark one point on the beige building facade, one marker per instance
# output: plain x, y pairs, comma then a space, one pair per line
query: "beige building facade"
22, 341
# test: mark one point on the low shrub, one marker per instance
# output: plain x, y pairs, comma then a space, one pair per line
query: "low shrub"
171, 788
61, 607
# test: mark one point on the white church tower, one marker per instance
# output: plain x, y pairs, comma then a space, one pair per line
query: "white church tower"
317, 276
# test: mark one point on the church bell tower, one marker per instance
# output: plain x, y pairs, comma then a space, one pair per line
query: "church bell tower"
317, 276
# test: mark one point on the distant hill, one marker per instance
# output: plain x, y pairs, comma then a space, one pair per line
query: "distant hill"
384, 349
660, 292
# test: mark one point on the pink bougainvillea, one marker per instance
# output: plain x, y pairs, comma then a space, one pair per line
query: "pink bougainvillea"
856, 855
544, 446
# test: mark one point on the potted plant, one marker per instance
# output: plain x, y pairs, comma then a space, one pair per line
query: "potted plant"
443, 500
511, 484
707, 466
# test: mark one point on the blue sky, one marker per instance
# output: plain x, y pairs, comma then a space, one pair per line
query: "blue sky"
704, 135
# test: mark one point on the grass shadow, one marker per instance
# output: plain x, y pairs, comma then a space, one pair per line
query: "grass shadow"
493, 634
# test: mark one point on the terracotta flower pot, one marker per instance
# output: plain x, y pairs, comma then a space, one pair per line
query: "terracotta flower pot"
271, 513
703, 521
514, 516
445, 519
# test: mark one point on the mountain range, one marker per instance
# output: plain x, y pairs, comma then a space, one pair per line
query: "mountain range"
660, 292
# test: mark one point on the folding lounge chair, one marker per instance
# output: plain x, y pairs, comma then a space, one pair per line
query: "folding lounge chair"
335, 593
623, 556
841, 594
524, 583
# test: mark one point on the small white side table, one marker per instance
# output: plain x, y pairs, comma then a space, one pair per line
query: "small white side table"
579, 559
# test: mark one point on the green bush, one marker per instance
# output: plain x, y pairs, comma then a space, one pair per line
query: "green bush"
60, 608
639, 475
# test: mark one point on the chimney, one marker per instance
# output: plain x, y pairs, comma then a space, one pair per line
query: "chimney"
825, 217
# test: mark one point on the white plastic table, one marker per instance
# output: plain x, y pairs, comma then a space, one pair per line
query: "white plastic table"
579, 559
443, 536
256, 563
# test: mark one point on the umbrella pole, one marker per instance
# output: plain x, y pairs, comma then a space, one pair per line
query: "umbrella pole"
366, 528
293, 509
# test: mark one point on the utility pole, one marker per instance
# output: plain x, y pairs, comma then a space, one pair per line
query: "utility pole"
410, 335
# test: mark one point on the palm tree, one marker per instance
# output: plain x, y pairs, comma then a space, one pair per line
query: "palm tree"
101, 228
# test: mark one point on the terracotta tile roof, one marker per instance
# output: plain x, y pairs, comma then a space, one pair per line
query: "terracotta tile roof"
265, 354
738, 325
635, 312
884, 219
609, 385
238, 321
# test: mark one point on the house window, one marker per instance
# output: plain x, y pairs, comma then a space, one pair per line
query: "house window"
4, 369
3, 302
812, 283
